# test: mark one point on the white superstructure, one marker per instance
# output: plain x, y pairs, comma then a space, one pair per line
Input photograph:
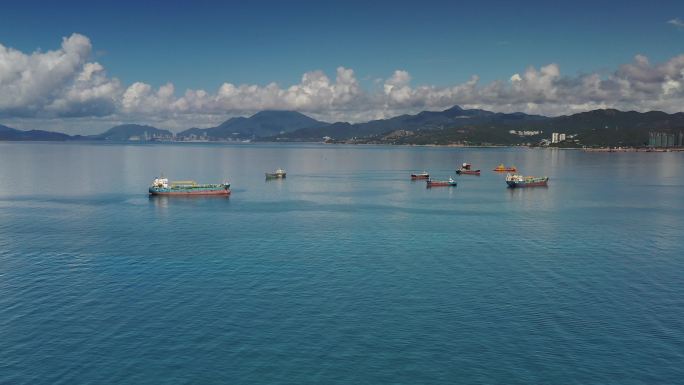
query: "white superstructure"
161, 182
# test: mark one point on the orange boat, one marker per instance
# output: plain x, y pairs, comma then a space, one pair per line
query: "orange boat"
502, 168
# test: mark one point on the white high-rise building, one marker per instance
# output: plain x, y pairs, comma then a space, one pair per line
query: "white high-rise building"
557, 137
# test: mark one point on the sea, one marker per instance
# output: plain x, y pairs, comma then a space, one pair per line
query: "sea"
345, 272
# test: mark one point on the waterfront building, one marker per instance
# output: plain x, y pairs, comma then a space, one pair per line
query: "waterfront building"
665, 139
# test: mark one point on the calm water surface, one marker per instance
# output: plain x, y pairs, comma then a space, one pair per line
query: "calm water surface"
345, 273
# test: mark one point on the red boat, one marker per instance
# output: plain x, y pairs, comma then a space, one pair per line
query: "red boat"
466, 170
420, 175
441, 183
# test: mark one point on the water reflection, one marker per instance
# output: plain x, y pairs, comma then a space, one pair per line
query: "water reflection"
163, 202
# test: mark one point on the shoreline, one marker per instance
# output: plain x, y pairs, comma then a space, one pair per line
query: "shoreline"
634, 149
585, 149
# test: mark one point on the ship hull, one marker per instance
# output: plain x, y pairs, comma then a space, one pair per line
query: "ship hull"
513, 184
191, 191
468, 172
441, 184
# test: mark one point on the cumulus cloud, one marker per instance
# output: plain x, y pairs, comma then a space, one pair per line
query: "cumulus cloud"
315, 93
55, 83
638, 85
397, 88
66, 83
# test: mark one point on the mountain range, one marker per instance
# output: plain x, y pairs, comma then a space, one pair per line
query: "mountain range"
603, 127
9, 133
427, 120
133, 132
123, 132
259, 125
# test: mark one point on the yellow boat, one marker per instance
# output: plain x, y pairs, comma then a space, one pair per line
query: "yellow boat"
502, 168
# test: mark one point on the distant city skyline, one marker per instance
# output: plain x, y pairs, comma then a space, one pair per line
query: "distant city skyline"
78, 67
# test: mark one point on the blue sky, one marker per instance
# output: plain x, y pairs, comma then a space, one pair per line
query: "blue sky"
201, 45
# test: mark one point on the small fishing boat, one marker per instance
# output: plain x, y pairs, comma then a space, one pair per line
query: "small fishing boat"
277, 174
502, 168
420, 175
441, 183
162, 186
467, 170
515, 180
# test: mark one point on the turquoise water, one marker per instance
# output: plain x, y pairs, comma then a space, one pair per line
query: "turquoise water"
344, 273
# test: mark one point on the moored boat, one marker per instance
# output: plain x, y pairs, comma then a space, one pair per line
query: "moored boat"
502, 168
441, 183
515, 180
162, 186
420, 175
279, 173
467, 170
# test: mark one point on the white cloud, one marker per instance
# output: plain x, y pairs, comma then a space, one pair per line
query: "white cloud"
677, 22
55, 83
397, 88
62, 83
140, 98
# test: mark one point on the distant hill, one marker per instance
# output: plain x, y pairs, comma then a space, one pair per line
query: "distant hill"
604, 127
9, 133
133, 132
261, 124
610, 127
426, 120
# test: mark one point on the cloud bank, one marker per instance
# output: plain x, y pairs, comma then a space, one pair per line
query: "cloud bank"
64, 84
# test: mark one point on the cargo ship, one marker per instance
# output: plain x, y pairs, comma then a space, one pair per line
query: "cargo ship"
277, 174
161, 186
515, 180
420, 175
441, 183
467, 170
502, 168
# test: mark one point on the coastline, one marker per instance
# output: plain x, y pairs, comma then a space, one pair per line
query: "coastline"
585, 149
634, 149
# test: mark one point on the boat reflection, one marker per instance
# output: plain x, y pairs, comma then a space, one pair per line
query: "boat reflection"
165, 201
